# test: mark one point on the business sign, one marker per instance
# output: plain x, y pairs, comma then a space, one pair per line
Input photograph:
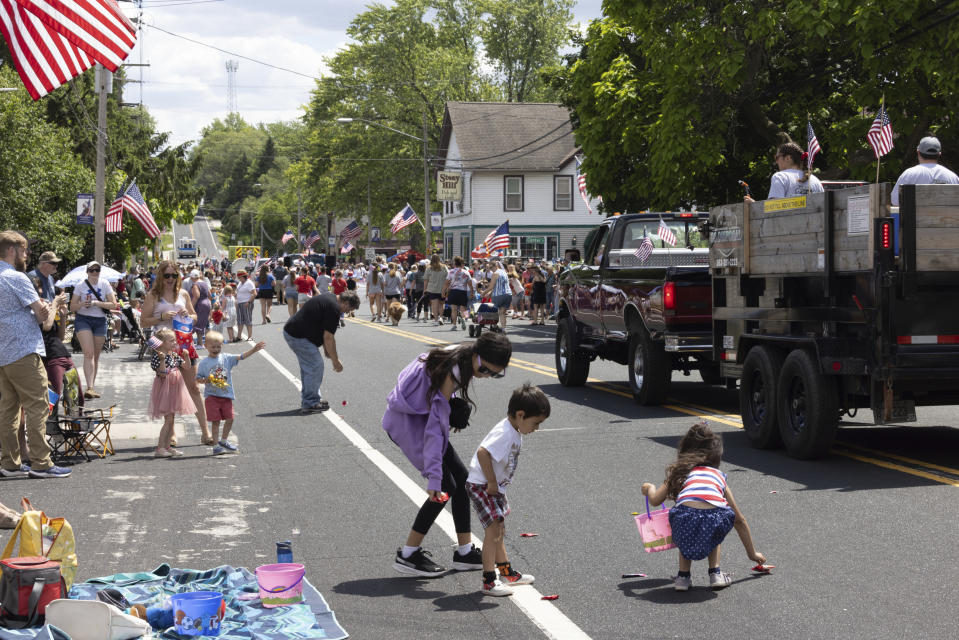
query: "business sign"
436, 221
84, 208
449, 185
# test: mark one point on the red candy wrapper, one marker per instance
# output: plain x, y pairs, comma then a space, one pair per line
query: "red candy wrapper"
763, 568
553, 597
443, 497
528, 535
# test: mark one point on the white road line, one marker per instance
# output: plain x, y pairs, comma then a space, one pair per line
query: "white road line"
543, 613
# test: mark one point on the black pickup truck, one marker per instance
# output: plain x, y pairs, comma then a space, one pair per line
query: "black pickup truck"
653, 315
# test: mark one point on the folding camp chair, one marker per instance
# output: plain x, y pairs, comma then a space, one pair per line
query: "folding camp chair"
96, 422
65, 438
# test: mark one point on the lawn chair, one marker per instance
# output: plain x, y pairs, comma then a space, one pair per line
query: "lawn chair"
96, 422
66, 438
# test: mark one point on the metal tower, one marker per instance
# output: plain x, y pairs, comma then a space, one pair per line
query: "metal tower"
231, 67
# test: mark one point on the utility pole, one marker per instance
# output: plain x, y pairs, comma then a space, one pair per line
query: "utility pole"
299, 217
104, 82
426, 190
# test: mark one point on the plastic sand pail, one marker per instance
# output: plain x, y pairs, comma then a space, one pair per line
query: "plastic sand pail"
197, 613
654, 529
280, 584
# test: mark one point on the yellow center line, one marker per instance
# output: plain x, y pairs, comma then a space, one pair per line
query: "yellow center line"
705, 413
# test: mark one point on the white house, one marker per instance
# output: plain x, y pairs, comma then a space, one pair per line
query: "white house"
518, 163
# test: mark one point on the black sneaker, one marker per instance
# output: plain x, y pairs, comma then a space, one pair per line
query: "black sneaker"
470, 561
317, 408
419, 563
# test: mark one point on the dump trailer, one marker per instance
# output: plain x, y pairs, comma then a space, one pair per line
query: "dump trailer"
835, 302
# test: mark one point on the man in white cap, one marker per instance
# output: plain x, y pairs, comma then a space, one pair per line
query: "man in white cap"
928, 171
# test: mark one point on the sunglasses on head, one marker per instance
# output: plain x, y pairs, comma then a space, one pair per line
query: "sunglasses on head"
169, 276
486, 371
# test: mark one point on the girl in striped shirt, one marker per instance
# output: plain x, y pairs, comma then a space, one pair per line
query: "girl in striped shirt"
705, 510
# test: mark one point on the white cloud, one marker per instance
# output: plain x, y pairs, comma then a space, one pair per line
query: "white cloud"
185, 85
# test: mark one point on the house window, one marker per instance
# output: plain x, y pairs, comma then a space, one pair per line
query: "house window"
513, 193
562, 193
552, 247
465, 246
448, 247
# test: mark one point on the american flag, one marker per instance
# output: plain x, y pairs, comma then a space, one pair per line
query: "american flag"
132, 200
352, 230
880, 134
114, 219
347, 247
498, 238
812, 144
645, 249
581, 183
666, 234
287, 237
311, 239
403, 219
53, 41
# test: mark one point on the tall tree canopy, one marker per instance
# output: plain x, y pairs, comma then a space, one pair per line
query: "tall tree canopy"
674, 102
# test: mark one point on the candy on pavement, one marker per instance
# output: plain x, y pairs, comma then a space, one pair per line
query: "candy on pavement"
553, 597
528, 535
634, 575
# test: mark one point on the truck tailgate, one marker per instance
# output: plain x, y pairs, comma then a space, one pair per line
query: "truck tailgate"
687, 298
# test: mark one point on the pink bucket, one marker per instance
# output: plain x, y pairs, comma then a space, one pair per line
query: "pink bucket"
654, 529
280, 584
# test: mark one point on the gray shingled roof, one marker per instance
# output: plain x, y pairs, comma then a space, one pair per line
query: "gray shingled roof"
515, 136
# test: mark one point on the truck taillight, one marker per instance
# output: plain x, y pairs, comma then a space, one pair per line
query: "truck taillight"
669, 295
886, 235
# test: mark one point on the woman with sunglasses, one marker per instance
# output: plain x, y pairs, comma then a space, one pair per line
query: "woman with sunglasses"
166, 300
92, 302
418, 421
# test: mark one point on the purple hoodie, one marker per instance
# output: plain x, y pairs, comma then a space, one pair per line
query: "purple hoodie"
420, 426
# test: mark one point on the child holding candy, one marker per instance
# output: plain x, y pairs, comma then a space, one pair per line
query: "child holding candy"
169, 396
491, 469
216, 371
705, 510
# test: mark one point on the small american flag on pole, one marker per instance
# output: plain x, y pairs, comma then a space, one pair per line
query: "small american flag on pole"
53, 41
352, 230
287, 237
311, 239
666, 234
581, 184
880, 133
347, 247
132, 200
812, 144
114, 219
645, 248
403, 219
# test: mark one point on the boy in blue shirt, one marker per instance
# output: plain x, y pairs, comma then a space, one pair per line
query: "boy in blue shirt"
216, 372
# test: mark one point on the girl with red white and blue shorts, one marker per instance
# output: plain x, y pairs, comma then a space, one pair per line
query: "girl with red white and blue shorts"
705, 510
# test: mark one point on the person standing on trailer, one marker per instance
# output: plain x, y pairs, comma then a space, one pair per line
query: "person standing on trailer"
928, 171
793, 178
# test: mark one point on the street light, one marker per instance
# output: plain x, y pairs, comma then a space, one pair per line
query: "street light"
426, 167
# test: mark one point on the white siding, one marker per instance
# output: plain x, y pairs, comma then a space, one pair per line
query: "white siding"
487, 192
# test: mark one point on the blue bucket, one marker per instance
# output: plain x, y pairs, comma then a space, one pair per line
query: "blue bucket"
197, 613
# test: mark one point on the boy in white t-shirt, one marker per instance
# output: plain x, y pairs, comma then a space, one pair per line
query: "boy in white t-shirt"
491, 469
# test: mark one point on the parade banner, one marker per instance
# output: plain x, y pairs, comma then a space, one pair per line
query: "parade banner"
84, 208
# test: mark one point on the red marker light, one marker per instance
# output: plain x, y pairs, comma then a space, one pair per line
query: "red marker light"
886, 235
669, 295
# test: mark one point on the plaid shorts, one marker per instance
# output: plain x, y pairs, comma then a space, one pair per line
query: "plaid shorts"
488, 508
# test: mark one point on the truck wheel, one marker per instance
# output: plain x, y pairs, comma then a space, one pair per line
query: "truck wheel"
808, 407
649, 370
757, 397
572, 368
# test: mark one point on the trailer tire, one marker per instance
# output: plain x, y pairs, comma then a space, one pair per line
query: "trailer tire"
649, 368
572, 368
758, 397
808, 407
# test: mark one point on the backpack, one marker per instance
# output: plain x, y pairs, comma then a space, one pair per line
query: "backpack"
28, 585
48, 537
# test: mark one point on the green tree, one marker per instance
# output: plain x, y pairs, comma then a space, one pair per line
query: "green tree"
675, 102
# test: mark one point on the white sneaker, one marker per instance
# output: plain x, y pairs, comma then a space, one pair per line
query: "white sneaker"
517, 578
719, 580
682, 583
496, 589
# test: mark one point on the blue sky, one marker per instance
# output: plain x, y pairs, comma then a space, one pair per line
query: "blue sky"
185, 84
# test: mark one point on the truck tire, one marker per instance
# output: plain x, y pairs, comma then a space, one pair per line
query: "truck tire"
758, 397
649, 368
572, 368
808, 407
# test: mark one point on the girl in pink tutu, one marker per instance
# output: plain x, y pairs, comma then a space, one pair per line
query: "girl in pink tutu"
169, 396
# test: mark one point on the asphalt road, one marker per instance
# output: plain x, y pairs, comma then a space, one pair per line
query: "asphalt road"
201, 231
863, 541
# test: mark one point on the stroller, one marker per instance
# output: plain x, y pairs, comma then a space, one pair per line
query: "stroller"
484, 314
130, 327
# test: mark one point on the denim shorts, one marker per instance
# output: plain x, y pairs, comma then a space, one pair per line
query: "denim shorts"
502, 301
90, 323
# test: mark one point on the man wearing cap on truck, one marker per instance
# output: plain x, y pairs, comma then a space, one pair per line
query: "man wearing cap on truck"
928, 171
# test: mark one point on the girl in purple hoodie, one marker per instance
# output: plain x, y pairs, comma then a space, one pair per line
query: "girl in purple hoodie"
417, 419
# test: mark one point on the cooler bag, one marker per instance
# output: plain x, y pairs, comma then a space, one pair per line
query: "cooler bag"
27, 586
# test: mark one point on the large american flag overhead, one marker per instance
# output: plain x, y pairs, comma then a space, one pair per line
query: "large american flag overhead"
53, 41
